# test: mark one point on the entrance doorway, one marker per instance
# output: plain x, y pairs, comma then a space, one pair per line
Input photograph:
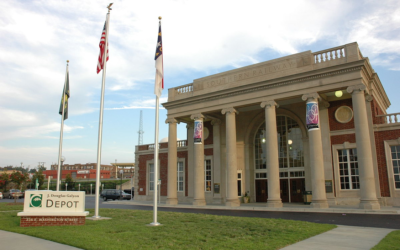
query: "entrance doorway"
297, 186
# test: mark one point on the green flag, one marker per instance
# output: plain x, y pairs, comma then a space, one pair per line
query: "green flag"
66, 96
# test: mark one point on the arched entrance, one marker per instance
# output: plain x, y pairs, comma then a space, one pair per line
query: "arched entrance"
291, 161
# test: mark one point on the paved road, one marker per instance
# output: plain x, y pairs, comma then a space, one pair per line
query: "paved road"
360, 220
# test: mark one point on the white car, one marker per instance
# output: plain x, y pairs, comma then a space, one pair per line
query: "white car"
1, 195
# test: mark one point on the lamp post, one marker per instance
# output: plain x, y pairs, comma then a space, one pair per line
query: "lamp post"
90, 188
66, 186
79, 187
102, 187
120, 186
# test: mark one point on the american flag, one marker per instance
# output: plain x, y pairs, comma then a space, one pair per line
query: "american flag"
100, 63
159, 84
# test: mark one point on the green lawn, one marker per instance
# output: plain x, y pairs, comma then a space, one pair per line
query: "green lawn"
128, 230
391, 241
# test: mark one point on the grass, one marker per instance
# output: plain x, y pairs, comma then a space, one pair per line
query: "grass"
128, 230
391, 241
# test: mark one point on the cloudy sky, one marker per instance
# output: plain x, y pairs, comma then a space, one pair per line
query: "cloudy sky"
199, 38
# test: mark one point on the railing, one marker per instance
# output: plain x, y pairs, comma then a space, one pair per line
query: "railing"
184, 89
390, 118
329, 54
179, 144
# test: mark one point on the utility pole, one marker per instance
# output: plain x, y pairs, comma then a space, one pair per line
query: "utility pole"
140, 132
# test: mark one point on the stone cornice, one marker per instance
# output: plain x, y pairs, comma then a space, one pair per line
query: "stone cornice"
262, 86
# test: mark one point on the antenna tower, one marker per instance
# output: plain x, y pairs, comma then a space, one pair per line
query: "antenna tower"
140, 132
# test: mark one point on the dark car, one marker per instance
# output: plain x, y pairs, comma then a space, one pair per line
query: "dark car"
13, 192
130, 191
114, 194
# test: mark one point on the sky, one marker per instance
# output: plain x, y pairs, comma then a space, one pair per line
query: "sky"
200, 38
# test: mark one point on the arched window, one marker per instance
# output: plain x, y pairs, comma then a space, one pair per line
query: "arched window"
290, 144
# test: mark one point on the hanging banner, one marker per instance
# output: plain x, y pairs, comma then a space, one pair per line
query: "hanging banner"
312, 116
198, 131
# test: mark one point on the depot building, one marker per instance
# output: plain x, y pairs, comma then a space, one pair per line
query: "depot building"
312, 121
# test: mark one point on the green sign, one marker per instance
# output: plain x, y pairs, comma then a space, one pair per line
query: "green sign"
36, 200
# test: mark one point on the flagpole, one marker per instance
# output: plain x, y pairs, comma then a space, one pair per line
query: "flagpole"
155, 206
61, 131
97, 188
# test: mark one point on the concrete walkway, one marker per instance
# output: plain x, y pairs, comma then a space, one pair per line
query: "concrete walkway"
14, 241
343, 237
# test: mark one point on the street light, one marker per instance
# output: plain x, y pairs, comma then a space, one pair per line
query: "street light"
90, 188
120, 187
79, 185
66, 186
62, 162
102, 187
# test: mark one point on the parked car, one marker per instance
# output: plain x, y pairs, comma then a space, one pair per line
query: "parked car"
130, 191
1, 195
114, 194
13, 192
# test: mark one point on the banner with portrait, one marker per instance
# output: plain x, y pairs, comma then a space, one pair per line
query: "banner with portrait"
198, 132
312, 116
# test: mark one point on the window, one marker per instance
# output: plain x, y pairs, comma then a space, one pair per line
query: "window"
396, 165
207, 175
290, 144
151, 177
239, 183
348, 167
180, 177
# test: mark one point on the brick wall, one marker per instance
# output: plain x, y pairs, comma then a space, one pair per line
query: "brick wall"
380, 137
210, 139
39, 221
335, 125
376, 110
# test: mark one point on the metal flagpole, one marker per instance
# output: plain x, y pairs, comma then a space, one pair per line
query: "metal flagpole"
97, 188
155, 223
61, 132
158, 93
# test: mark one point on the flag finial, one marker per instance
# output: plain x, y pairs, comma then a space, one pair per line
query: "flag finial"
109, 6
159, 17
67, 61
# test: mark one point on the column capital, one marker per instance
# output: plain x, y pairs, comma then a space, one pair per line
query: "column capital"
189, 125
369, 98
355, 89
229, 110
269, 104
310, 97
216, 122
323, 104
171, 120
197, 116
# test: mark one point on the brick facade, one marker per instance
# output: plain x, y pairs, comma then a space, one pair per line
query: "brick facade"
335, 125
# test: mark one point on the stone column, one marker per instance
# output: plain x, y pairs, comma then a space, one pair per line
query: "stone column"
190, 167
271, 142
217, 158
198, 162
316, 162
232, 199
172, 193
364, 151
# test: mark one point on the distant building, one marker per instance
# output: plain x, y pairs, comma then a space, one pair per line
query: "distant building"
312, 121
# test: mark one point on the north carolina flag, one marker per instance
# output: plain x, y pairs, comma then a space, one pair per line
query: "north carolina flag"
159, 84
66, 96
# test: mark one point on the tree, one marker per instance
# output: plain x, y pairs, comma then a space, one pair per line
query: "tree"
70, 182
40, 177
4, 180
18, 178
